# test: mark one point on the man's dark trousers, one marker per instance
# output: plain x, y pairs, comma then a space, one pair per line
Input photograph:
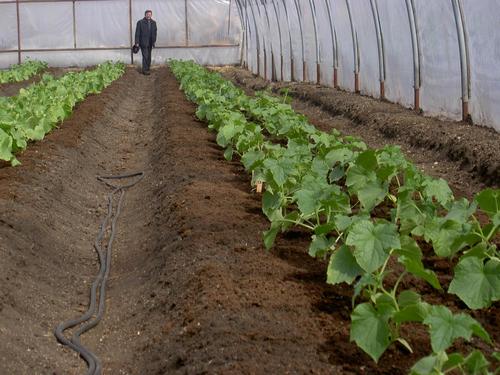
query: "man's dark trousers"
146, 58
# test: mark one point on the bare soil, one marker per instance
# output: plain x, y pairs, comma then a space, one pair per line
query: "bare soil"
192, 290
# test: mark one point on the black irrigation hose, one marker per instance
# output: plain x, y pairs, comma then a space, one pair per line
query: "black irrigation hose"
90, 318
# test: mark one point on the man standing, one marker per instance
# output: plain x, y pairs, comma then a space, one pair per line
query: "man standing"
145, 37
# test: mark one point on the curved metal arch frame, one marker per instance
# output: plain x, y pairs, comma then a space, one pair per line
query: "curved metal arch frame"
280, 36
463, 44
244, 28
333, 36
415, 42
264, 40
292, 61
355, 47
257, 37
380, 46
268, 23
304, 63
316, 40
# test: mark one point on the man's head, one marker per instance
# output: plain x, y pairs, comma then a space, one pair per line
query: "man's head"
148, 14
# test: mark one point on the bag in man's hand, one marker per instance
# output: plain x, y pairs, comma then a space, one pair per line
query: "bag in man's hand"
135, 49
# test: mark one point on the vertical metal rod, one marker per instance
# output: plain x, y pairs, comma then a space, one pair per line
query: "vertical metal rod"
380, 46
333, 36
280, 36
354, 47
131, 30
299, 15
257, 39
292, 64
74, 25
464, 61
229, 18
416, 52
316, 41
273, 67
335, 78
186, 21
18, 33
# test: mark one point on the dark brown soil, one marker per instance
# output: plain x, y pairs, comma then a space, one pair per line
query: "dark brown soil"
192, 290
467, 156
12, 89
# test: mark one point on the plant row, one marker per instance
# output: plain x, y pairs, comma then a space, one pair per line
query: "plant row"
42, 106
21, 72
370, 212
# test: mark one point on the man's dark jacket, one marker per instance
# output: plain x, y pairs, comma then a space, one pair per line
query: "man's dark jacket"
145, 35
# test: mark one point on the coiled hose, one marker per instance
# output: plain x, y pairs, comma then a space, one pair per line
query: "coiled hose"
96, 308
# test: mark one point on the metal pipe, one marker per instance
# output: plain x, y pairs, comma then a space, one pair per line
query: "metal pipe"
115, 48
304, 64
280, 36
292, 64
131, 30
18, 33
263, 41
464, 68
316, 40
354, 47
273, 61
380, 47
186, 22
334, 43
244, 30
416, 52
256, 37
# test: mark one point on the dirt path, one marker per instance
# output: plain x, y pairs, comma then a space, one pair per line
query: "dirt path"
192, 290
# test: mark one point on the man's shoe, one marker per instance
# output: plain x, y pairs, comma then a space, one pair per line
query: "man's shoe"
147, 73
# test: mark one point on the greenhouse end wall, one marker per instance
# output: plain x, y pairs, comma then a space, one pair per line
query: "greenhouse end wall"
440, 56
87, 32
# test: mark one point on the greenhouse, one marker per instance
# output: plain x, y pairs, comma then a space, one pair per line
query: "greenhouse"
249, 187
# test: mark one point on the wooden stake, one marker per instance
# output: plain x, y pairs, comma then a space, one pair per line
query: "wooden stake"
259, 186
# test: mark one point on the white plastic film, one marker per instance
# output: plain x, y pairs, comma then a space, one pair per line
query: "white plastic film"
398, 51
204, 56
346, 50
78, 58
310, 40
368, 47
441, 87
297, 35
170, 19
7, 59
46, 25
212, 22
481, 21
102, 24
8, 26
325, 42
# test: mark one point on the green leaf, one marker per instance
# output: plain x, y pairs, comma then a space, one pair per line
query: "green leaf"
342, 267
438, 189
476, 363
320, 245
370, 330
251, 158
410, 256
271, 205
371, 195
430, 365
269, 235
372, 243
412, 308
489, 201
5, 146
476, 283
444, 327
228, 153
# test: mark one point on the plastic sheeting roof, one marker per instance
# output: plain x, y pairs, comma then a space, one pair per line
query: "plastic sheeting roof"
440, 56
